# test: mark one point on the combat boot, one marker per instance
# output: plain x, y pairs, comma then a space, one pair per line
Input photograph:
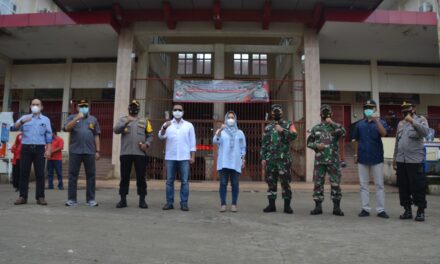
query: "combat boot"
271, 207
420, 216
318, 208
337, 208
287, 208
123, 202
142, 203
407, 214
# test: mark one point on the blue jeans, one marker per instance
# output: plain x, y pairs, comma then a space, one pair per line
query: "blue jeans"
75, 161
225, 174
172, 166
51, 166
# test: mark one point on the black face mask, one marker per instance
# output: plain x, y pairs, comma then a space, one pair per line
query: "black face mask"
326, 114
405, 113
133, 111
277, 114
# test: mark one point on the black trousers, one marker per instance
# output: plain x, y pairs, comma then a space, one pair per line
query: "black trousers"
411, 180
140, 163
32, 154
16, 174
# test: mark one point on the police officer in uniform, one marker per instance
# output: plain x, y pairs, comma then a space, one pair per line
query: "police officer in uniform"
276, 159
324, 140
408, 161
136, 138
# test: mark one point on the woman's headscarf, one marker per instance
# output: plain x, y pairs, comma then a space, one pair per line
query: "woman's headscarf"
231, 130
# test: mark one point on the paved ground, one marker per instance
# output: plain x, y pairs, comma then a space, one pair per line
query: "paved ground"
58, 234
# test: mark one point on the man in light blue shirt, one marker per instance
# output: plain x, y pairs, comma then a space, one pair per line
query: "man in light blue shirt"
36, 140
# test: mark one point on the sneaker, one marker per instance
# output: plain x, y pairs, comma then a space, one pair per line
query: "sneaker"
223, 209
60, 188
41, 201
71, 203
234, 208
92, 203
184, 207
20, 200
383, 214
363, 213
167, 207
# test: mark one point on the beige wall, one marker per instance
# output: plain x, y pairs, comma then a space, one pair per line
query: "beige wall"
337, 77
409, 80
412, 5
47, 76
35, 6
93, 75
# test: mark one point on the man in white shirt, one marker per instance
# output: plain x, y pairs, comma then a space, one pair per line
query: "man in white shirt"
180, 151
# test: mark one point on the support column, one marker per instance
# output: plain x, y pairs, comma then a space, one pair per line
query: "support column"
7, 88
219, 74
122, 90
312, 91
374, 73
298, 95
67, 92
142, 84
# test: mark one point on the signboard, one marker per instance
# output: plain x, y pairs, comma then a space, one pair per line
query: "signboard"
221, 91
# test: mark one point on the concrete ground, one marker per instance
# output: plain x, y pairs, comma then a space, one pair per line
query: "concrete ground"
59, 234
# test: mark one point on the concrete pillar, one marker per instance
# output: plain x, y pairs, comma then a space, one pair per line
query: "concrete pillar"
312, 91
298, 95
7, 88
219, 74
67, 91
374, 75
141, 84
122, 90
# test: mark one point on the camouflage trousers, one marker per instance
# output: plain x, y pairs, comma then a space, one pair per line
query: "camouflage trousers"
334, 173
278, 169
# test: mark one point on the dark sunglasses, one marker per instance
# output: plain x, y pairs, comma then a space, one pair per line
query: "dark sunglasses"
83, 106
179, 110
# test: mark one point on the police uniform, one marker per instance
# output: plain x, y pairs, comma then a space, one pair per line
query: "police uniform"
133, 133
326, 160
409, 156
275, 150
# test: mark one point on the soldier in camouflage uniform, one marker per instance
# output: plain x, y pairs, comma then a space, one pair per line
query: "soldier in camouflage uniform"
323, 139
276, 158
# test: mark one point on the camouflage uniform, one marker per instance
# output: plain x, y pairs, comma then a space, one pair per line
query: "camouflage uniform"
327, 160
275, 150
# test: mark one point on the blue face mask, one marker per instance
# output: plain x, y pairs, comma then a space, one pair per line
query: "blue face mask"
84, 110
368, 112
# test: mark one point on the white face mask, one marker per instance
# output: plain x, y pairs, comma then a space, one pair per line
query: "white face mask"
177, 114
35, 109
230, 122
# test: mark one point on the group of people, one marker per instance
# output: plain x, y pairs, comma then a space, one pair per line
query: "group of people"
137, 137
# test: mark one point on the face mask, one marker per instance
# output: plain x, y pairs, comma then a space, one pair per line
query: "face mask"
277, 115
325, 114
230, 122
177, 114
133, 111
368, 112
407, 113
35, 109
84, 110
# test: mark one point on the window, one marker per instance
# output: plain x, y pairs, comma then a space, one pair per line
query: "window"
259, 64
203, 65
185, 63
198, 63
246, 64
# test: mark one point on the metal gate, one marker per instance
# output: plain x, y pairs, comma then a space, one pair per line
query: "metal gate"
252, 118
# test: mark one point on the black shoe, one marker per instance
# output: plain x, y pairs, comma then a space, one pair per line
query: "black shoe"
287, 208
407, 214
123, 202
420, 216
184, 208
271, 207
318, 208
383, 214
168, 207
142, 203
363, 213
337, 208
